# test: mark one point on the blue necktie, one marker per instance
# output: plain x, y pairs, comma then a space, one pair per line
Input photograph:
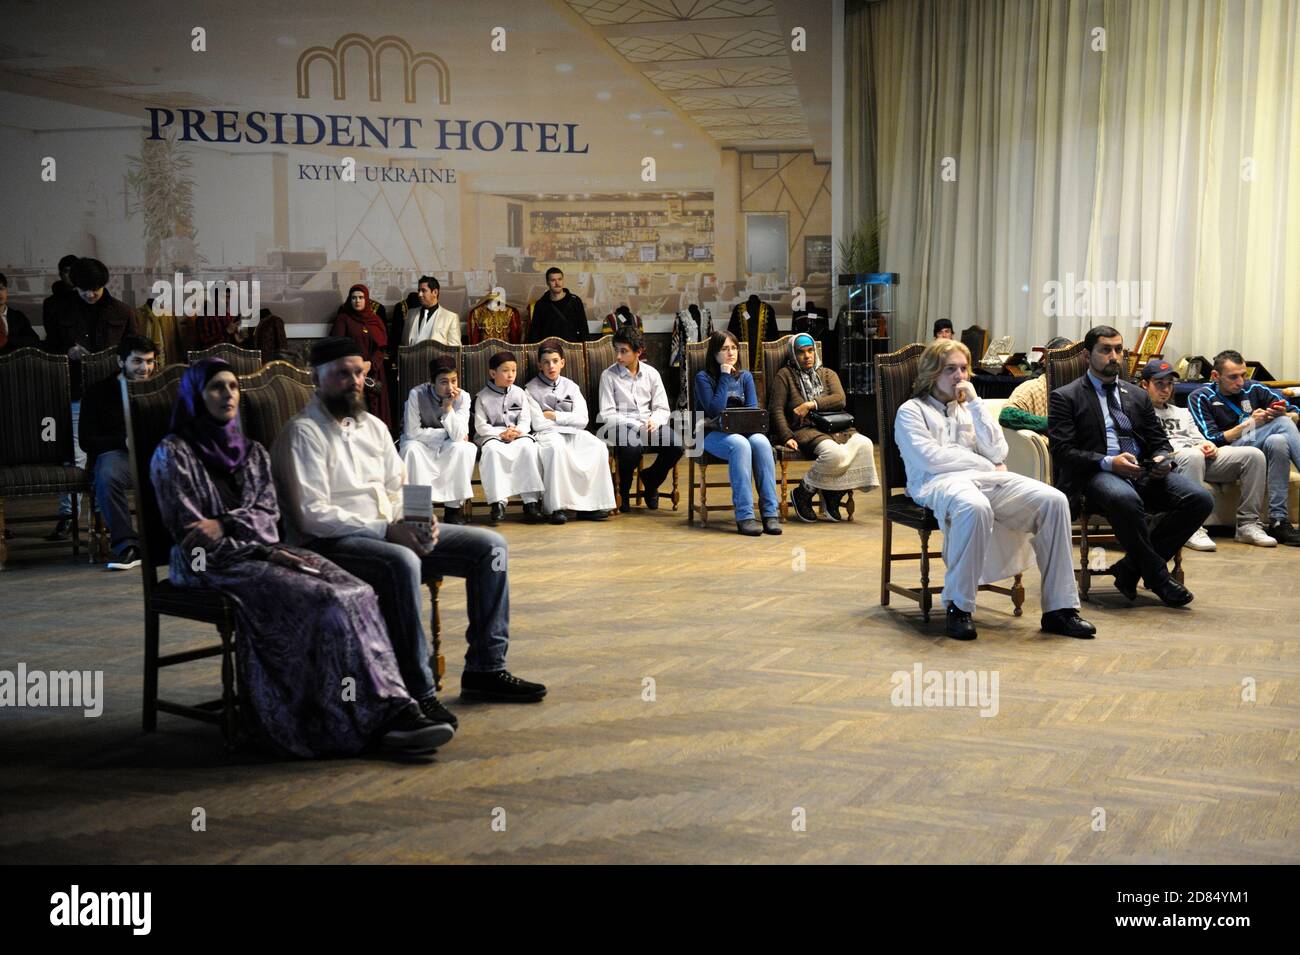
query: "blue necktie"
1123, 426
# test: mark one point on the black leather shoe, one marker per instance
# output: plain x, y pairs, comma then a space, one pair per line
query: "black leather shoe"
593, 515
772, 525
411, 733
453, 515
801, 502
959, 625
626, 506
651, 499
1172, 593
437, 713
532, 512
831, 501
497, 514
499, 687
62, 530
1284, 533
1126, 579
1068, 623
750, 528
558, 517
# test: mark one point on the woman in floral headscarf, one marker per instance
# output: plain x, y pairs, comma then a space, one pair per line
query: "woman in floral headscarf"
305, 626
362, 320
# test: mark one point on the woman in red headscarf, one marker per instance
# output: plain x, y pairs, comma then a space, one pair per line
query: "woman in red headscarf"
362, 320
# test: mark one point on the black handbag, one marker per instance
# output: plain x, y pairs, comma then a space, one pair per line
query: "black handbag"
744, 421
830, 422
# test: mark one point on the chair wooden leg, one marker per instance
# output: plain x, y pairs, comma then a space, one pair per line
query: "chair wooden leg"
439, 662
926, 597
150, 671
1018, 596
615, 472
690, 492
886, 544
76, 524
1178, 566
637, 494
229, 725
704, 494
676, 494
849, 505
1085, 575
784, 506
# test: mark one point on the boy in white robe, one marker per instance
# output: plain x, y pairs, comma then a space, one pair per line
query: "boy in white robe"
504, 421
954, 453
436, 448
575, 463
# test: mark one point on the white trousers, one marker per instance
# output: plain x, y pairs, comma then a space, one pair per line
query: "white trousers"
575, 468
448, 469
975, 505
510, 469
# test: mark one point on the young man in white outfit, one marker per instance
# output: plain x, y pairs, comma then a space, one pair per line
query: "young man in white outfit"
953, 450
436, 448
1202, 460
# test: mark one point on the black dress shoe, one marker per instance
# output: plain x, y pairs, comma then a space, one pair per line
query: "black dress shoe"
532, 512
499, 687
1172, 593
497, 514
626, 506
1126, 579
831, 501
593, 515
1068, 623
959, 625
750, 528
801, 502
453, 515
772, 525
651, 499
558, 517
435, 711
62, 530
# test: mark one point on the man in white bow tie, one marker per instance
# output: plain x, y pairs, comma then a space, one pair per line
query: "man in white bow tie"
424, 319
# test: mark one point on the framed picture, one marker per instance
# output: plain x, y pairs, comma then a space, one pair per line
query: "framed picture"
816, 254
1152, 340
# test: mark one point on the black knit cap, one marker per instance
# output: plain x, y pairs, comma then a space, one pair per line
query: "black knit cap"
328, 349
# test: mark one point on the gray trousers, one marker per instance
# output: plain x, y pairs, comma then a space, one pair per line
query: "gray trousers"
1246, 466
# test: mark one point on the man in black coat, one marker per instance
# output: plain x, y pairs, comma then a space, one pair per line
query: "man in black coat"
15, 330
559, 313
1108, 447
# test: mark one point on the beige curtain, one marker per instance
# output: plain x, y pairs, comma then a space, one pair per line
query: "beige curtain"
1149, 143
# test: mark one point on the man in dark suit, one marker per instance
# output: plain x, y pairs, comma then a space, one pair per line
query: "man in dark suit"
15, 330
1108, 447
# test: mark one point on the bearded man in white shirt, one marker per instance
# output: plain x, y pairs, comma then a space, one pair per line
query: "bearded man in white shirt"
954, 453
340, 483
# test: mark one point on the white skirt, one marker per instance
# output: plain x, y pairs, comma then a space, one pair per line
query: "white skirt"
510, 469
844, 467
576, 470
448, 469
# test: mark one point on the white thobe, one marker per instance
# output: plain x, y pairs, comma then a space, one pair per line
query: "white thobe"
514, 467
436, 448
336, 479
989, 518
575, 463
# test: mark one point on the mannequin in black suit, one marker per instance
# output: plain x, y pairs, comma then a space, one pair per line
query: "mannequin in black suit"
1124, 472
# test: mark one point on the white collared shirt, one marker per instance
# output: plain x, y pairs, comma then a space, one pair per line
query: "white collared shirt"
629, 401
336, 479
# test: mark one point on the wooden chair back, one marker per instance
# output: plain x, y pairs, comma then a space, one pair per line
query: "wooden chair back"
244, 361
35, 408
895, 376
575, 368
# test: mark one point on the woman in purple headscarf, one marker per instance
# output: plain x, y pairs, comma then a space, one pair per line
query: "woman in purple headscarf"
317, 675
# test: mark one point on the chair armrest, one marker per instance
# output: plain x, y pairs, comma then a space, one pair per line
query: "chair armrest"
1027, 454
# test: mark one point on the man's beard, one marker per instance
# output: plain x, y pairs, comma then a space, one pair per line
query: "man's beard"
348, 404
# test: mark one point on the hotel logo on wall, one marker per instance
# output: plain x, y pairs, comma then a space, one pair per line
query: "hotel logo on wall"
342, 130
374, 51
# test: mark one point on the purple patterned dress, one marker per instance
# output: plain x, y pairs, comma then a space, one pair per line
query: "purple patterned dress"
299, 636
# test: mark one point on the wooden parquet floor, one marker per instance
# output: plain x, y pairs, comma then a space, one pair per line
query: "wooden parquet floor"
771, 660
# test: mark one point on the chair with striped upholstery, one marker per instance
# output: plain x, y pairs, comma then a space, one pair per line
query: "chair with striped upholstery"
36, 450
243, 360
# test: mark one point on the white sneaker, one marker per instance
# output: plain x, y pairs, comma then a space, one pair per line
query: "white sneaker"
1201, 541
1254, 534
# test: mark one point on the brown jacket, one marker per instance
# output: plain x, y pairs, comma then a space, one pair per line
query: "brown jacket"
786, 396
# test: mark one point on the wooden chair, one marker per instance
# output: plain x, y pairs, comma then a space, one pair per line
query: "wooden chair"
575, 367
97, 366
1062, 366
244, 361
977, 340
775, 353
413, 366
895, 375
696, 352
36, 424
148, 406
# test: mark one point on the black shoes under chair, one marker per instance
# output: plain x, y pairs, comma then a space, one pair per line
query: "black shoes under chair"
960, 626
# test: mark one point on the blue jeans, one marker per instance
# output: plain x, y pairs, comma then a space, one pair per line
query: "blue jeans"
1184, 504
112, 481
749, 462
1280, 442
78, 458
395, 573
